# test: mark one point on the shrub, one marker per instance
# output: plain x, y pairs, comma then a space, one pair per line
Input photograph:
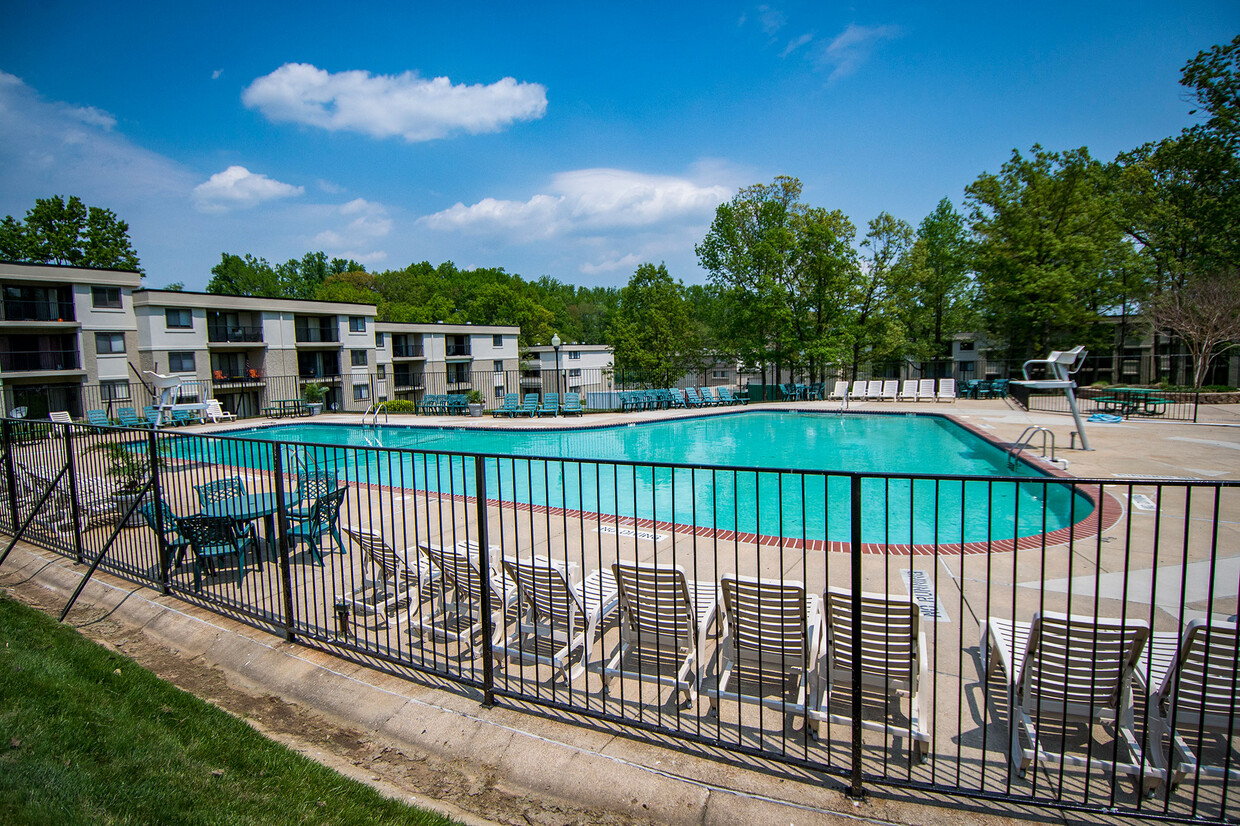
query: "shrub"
401, 406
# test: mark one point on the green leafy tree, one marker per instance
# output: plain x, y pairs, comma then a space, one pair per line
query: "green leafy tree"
936, 288
57, 231
1044, 228
826, 267
247, 276
750, 254
871, 328
653, 334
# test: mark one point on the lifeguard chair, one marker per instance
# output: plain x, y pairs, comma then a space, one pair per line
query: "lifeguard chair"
1061, 367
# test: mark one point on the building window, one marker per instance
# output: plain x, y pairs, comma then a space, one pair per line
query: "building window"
966, 345
967, 366
381, 371
378, 339
497, 341
179, 319
106, 343
574, 373
574, 354
181, 362
105, 298
113, 391
357, 358
458, 373
357, 324
719, 374
499, 366
361, 392
499, 391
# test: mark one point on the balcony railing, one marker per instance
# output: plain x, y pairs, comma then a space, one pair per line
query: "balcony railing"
18, 361
316, 335
243, 334
457, 350
406, 351
319, 373
225, 377
18, 310
406, 381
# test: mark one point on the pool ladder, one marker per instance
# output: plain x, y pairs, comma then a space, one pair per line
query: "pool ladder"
374, 409
1026, 440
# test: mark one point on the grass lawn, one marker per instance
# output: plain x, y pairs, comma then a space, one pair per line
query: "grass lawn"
87, 736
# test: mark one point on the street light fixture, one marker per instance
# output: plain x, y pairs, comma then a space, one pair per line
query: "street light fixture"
555, 345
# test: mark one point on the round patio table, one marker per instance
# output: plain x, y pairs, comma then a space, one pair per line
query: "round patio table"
249, 508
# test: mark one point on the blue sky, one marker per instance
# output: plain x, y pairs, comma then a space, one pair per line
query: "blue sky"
575, 140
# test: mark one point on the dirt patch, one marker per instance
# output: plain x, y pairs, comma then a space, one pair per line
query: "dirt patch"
421, 779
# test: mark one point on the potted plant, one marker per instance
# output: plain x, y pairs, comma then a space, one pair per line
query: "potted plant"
313, 394
130, 469
473, 401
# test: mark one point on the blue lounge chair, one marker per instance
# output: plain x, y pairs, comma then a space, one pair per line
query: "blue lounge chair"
98, 418
572, 405
129, 418
550, 405
510, 408
692, 399
530, 407
728, 398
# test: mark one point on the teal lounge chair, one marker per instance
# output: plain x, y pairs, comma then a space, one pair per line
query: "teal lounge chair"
728, 398
572, 405
98, 418
530, 407
510, 408
692, 399
550, 405
129, 418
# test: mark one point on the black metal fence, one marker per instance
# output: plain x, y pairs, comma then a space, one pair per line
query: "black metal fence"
1126, 402
1062, 642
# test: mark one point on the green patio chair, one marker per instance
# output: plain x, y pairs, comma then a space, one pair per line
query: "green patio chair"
550, 405
213, 538
171, 541
324, 520
572, 405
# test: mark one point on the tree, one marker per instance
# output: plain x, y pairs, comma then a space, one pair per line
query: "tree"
248, 276
1044, 228
937, 284
1213, 77
826, 267
1204, 314
750, 252
57, 231
653, 335
870, 326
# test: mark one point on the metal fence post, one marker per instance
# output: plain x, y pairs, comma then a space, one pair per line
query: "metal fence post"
855, 789
157, 500
75, 505
286, 575
10, 477
484, 569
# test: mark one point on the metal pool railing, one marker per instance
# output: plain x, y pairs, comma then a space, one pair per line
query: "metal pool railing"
871, 657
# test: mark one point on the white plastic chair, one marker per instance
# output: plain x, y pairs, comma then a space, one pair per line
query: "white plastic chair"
925, 389
891, 389
404, 578
947, 390
908, 391
840, 390
459, 616
215, 412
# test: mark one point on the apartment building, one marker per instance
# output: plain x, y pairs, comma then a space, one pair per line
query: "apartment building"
416, 359
248, 352
65, 329
582, 368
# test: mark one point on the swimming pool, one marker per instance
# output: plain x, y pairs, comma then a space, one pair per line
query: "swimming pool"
792, 485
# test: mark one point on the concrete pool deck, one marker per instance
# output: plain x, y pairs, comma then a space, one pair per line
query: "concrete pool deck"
529, 763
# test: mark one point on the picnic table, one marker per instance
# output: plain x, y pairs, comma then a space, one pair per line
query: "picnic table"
1127, 401
279, 408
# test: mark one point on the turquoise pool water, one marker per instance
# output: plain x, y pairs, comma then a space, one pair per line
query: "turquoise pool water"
809, 502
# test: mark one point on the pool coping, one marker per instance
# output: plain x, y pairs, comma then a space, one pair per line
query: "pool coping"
1104, 503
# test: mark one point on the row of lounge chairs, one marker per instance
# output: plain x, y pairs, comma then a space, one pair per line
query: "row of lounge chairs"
668, 398
128, 416
549, 405
912, 390
771, 631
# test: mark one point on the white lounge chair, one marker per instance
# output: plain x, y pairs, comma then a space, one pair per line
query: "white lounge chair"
772, 633
560, 616
858, 390
458, 615
664, 617
874, 390
925, 389
215, 412
403, 579
1069, 668
908, 391
947, 390
840, 391
60, 417
1194, 689
891, 389
892, 662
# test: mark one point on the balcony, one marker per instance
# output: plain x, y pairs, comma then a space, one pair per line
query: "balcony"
33, 310
30, 361
318, 373
407, 351
219, 334
408, 381
232, 377
457, 350
317, 335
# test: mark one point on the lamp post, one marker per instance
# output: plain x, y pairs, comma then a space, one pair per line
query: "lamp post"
555, 345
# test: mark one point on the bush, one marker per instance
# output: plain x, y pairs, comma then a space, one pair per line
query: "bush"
1101, 384
401, 406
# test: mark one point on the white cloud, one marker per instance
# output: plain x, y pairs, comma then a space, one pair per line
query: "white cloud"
239, 188
93, 117
796, 43
587, 200
771, 20
383, 106
365, 222
627, 263
853, 47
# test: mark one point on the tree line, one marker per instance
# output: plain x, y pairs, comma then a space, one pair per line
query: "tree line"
1055, 248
